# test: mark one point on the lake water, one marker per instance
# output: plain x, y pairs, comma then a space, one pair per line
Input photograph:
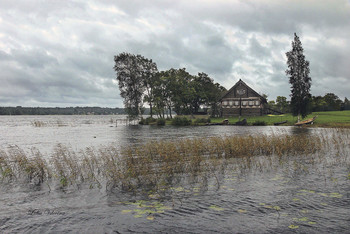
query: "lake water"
280, 200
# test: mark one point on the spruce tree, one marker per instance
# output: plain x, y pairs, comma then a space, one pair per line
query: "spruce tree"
298, 73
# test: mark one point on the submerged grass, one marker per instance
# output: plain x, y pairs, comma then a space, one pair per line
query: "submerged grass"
156, 167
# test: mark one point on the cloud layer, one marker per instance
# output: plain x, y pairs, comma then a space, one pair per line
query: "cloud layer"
60, 53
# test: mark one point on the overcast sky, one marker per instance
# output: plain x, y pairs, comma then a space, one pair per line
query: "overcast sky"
61, 53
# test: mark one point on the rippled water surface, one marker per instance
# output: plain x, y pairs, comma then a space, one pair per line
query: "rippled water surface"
314, 198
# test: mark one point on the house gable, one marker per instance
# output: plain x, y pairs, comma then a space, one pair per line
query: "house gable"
241, 89
242, 100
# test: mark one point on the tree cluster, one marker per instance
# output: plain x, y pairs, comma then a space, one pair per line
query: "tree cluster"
174, 90
328, 102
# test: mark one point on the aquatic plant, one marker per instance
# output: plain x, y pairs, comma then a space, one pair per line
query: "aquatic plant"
38, 123
181, 121
155, 168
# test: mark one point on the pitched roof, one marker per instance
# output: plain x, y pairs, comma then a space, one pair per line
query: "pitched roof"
241, 82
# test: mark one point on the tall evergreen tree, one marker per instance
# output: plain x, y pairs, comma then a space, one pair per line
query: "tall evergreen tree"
298, 73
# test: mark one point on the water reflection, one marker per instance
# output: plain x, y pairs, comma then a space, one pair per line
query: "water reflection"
140, 134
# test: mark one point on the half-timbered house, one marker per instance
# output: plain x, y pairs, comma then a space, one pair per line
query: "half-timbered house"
241, 100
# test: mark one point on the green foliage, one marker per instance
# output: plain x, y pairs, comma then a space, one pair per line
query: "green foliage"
135, 75
161, 122
259, 123
181, 121
202, 120
329, 102
298, 73
282, 104
147, 121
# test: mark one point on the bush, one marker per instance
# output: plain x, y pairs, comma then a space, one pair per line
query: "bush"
181, 121
160, 122
147, 121
202, 121
259, 123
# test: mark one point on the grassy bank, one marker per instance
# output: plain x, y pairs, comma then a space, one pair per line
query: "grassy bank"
324, 119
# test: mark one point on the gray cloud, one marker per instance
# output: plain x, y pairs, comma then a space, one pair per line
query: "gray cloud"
60, 53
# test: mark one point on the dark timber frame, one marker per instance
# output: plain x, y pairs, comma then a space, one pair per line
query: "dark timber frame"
241, 100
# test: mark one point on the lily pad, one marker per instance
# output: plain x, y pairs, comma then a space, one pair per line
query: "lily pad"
216, 208
293, 226
304, 219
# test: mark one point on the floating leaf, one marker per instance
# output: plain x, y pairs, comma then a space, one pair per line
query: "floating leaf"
216, 208
324, 204
150, 217
277, 208
336, 195
310, 222
138, 216
304, 219
261, 204
242, 211
296, 199
293, 226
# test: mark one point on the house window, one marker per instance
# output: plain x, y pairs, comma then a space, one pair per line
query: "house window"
244, 103
231, 103
257, 103
225, 103
236, 103
251, 103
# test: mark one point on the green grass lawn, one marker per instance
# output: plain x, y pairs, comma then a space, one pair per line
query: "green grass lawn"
324, 119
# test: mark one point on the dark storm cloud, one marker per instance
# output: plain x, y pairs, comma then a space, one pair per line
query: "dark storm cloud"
60, 53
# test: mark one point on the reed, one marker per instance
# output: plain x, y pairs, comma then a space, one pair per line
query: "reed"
158, 166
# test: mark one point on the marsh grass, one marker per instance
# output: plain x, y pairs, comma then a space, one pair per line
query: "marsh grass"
156, 167
38, 123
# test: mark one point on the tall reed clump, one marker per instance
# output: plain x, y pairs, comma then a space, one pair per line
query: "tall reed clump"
158, 166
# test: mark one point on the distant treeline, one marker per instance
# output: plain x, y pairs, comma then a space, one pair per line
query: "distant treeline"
328, 102
19, 110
